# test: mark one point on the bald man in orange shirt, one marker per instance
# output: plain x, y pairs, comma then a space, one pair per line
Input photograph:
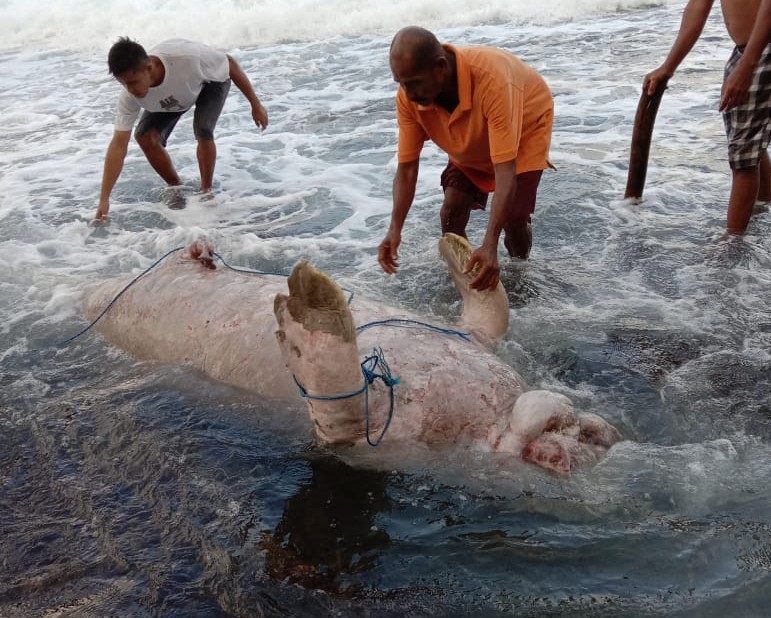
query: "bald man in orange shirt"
492, 114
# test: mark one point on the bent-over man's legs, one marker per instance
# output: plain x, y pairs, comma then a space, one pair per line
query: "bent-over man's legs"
152, 132
518, 231
461, 196
208, 108
456, 211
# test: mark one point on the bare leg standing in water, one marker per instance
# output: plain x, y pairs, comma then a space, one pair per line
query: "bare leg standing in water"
745, 100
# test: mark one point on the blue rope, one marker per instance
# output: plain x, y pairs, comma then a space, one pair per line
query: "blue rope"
377, 359
405, 323
117, 296
147, 270
261, 272
247, 271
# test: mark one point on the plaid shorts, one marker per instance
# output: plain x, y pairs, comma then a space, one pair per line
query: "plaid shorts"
748, 126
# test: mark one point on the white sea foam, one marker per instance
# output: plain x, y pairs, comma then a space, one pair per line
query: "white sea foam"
94, 24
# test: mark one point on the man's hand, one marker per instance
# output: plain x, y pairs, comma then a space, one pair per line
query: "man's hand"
260, 115
736, 86
101, 212
485, 260
387, 253
652, 80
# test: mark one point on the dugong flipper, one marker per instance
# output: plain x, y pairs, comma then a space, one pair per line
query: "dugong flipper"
317, 337
486, 313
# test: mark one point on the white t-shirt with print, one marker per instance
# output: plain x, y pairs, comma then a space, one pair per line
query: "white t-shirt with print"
189, 65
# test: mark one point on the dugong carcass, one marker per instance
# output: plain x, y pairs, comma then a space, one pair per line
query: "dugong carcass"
367, 371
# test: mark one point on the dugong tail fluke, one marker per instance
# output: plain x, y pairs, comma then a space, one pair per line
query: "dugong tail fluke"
486, 313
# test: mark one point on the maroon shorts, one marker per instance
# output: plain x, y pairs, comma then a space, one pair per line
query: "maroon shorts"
524, 200
453, 177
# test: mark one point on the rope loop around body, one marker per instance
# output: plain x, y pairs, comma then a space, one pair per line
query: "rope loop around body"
368, 370
409, 323
117, 296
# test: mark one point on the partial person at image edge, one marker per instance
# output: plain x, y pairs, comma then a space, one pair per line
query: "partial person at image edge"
745, 99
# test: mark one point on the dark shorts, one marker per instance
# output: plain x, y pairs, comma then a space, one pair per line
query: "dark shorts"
208, 107
748, 126
524, 200
453, 177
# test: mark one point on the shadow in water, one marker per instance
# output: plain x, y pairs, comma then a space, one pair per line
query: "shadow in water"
327, 532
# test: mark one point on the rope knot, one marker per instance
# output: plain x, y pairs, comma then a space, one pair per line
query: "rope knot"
377, 359
368, 366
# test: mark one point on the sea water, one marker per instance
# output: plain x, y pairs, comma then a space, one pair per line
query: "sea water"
141, 489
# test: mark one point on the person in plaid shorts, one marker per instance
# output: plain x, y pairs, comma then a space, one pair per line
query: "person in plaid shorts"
745, 99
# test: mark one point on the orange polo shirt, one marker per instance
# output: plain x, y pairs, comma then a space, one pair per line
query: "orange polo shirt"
505, 112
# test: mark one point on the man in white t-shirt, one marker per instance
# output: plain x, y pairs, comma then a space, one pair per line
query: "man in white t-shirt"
175, 76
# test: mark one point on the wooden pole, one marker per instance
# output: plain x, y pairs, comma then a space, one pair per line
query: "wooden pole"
641, 140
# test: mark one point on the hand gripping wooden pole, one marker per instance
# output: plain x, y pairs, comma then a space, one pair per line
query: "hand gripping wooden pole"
641, 140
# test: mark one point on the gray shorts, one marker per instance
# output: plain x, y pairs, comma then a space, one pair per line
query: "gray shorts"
208, 107
748, 126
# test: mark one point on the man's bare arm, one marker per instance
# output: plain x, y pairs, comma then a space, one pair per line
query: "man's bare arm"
691, 26
405, 180
113, 165
241, 80
485, 258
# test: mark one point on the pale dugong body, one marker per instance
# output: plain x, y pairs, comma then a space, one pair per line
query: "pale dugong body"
243, 329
